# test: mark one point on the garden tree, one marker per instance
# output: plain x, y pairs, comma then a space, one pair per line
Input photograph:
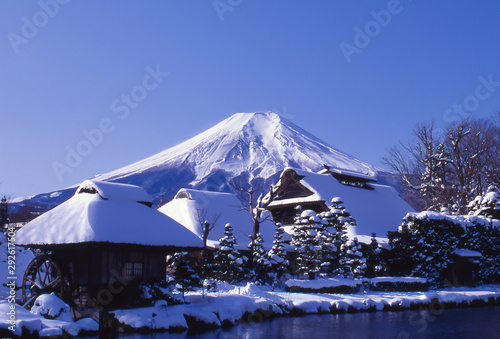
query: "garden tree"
421, 165
341, 220
487, 204
186, 277
228, 263
423, 246
263, 267
326, 238
372, 253
448, 168
307, 225
254, 202
4, 213
352, 262
207, 223
402, 242
484, 238
277, 254
493, 172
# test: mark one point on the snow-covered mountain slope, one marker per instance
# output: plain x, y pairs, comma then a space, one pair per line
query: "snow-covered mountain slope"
258, 145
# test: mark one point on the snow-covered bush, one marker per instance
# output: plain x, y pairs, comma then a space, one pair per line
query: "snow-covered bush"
424, 243
150, 293
329, 285
487, 204
400, 284
485, 239
50, 306
423, 246
186, 277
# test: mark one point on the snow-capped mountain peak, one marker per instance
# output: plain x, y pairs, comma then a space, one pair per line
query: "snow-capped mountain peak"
258, 143
255, 145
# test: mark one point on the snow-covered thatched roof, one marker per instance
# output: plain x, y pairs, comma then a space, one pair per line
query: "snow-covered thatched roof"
114, 191
377, 210
189, 206
106, 212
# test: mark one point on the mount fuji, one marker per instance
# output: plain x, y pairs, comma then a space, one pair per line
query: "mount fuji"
255, 145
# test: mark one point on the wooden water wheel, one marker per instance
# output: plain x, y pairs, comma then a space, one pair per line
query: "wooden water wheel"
42, 276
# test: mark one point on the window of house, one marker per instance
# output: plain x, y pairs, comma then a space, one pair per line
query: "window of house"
132, 270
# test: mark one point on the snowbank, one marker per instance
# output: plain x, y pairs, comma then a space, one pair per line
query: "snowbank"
244, 304
22, 259
330, 285
49, 317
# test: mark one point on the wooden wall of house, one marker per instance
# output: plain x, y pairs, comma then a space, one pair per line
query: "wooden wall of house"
101, 265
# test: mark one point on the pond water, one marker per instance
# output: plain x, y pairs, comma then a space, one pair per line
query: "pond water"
483, 322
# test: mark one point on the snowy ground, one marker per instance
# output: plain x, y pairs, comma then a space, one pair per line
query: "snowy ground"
233, 304
18, 260
251, 303
50, 316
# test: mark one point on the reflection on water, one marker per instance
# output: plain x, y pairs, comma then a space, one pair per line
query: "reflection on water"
475, 323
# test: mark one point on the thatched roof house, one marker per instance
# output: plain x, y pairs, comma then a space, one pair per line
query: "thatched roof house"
192, 207
102, 212
106, 233
377, 208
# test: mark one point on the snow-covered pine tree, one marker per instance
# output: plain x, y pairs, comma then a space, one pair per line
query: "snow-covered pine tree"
228, 263
307, 225
327, 239
341, 220
277, 254
487, 204
372, 253
263, 268
353, 264
186, 277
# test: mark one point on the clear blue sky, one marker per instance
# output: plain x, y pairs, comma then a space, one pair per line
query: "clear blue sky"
63, 69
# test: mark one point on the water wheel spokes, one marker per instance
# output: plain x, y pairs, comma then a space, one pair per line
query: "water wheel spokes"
42, 276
